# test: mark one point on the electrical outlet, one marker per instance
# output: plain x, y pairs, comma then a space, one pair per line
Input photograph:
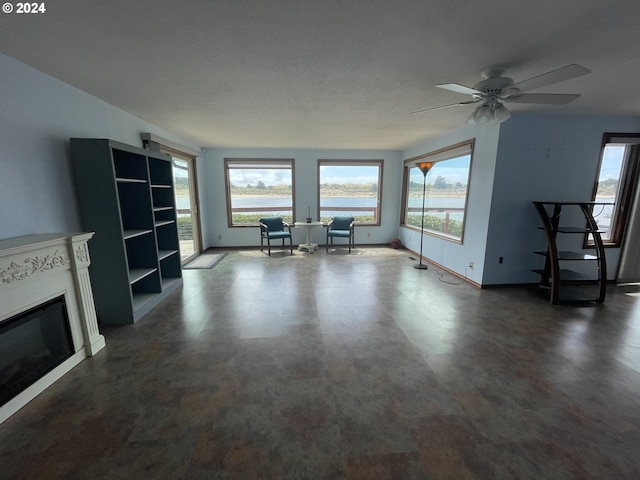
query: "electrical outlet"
470, 264
219, 237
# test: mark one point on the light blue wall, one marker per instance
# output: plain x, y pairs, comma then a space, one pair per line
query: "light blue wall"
530, 157
306, 191
545, 158
38, 115
451, 255
527, 158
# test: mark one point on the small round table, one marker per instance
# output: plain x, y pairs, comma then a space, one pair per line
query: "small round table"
309, 246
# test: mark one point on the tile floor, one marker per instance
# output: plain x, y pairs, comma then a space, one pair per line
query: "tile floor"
344, 366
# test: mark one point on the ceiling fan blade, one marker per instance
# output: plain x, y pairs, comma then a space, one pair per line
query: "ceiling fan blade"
554, 76
456, 87
446, 106
547, 98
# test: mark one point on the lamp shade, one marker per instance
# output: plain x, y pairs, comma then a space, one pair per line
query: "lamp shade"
483, 114
425, 166
501, 113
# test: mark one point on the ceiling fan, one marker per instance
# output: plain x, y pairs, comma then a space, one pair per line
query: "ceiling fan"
495, 89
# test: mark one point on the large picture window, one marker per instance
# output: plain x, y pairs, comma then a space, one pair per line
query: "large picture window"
350, 187
258, 188
447, 185
615, 183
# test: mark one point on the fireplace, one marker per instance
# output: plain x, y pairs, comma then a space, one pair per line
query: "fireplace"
32, 344
47, 316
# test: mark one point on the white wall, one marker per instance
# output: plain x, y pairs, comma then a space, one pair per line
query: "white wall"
451, 255
38, 115
306, 191
544, 158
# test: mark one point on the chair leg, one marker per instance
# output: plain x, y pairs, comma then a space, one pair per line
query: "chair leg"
269, 245
291, 245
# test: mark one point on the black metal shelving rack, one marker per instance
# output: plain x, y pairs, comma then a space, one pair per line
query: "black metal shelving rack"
565, 285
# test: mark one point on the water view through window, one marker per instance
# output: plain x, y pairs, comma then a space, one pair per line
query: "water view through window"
350, 188
259, 188
445, 196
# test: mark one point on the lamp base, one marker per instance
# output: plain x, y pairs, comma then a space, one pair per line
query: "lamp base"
420, 266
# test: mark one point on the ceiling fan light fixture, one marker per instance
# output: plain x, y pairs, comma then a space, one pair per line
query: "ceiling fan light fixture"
472, 118
482, 115
489, 114
501, 113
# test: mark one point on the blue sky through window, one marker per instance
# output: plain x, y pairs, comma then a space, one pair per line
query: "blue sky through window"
454, 171
336, 174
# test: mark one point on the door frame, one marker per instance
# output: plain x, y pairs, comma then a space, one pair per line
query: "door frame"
193, 197
158, 144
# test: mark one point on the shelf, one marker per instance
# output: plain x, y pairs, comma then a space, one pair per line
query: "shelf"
571, 276
577, 230
130, 180
139, 300
578, 295
164, 222
581, 230
567, 255
562, 283
137, 274
125, 193
162, 254
127, 234
169, 281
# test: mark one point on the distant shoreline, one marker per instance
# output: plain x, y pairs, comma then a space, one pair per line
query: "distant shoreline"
430, 193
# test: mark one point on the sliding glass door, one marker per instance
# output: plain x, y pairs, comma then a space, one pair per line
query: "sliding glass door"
186, 206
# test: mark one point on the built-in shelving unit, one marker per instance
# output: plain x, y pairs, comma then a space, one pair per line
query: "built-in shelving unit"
127, 198
568, 275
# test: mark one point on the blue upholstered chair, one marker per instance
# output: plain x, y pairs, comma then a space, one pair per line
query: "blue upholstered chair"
273, 228
341, 227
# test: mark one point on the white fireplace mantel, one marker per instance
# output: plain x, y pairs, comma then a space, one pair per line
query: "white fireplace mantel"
38, 268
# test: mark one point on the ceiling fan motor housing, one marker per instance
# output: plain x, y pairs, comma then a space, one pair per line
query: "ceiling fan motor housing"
493, 86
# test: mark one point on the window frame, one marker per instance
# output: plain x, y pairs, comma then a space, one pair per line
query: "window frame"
355, 163
629, 173
257, 164
441, 155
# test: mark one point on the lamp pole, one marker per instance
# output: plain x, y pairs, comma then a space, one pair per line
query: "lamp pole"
424, 168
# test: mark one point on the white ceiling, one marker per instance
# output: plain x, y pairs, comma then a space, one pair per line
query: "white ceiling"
325, 73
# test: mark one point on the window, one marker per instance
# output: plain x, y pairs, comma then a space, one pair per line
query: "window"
350, 187
258, 188
615, 184
446, 189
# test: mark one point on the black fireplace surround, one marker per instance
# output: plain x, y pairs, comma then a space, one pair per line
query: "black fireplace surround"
32, 344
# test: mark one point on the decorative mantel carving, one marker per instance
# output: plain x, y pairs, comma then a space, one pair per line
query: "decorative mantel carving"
36, 268
31, 265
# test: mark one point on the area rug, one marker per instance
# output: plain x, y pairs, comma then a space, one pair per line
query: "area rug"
206, 260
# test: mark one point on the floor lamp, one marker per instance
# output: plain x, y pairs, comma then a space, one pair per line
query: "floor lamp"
424, 168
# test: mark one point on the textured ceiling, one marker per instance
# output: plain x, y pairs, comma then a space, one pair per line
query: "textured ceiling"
324, 73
